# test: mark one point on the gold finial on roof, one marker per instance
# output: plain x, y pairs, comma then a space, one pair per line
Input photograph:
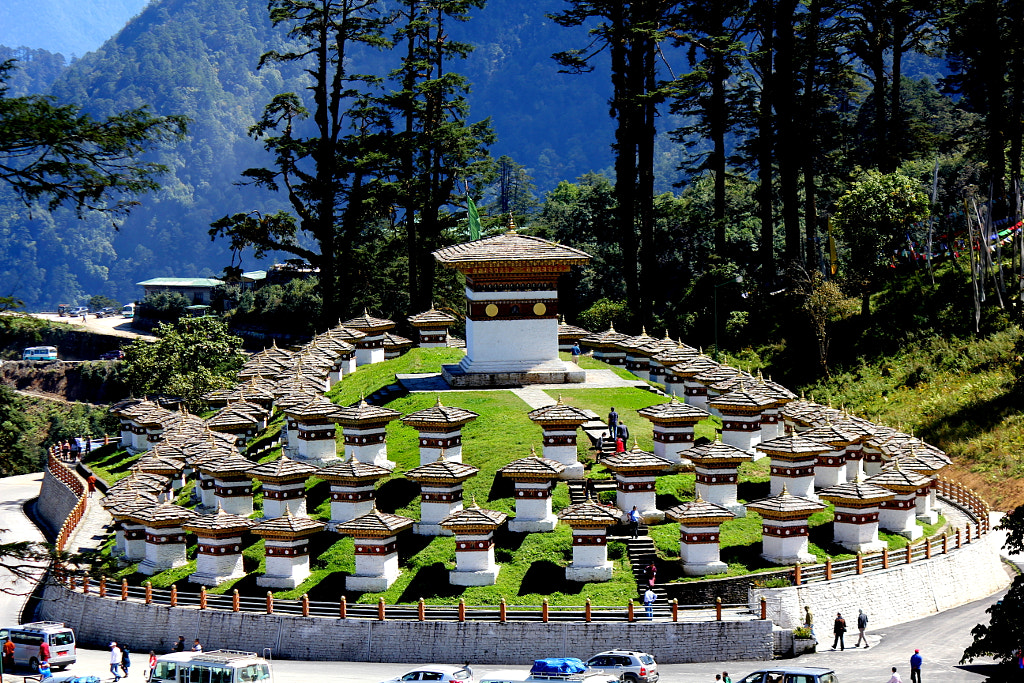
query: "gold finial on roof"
785, 491
559, 400
511, 225
438, 404
643, 330
611, 326
533, 451
696, 496
440, 456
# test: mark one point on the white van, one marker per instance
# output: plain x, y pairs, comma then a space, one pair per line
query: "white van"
128, 310
217, 666
39, 353
28, 638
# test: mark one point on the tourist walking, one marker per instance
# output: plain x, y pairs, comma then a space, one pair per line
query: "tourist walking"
90, 483
862, 623
613, 422
895, 678
126, 660
651, 573
151, 664
44, 651
839, 628
649, 597
115, 661
634, 522
576, 351
809, 622
725, 677
620, 445
8, 658
915, 667
622, 431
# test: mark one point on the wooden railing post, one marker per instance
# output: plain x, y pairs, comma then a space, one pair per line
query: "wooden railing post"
828, 569
462, 609
945, 543
764, 608
380, 610
343, 607
124, 589
958, 537
305, 604
718, 609
202, 597
421, 610
797, 575
85, 583
149, 593
885, 558
586, 611
675, 609
502, 611
860, 563
174, 595
235, 601
103, 586
629, 610
928, 549
910, 551
270, 602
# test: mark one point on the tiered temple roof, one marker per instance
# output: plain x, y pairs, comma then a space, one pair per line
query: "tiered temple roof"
375, 524
440, 416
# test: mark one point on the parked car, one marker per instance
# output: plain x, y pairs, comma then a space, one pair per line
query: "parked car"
792, 674
81, 310
630, 666
436, 672
104, 312
116, 354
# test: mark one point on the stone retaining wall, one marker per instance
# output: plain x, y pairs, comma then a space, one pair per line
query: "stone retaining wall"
55, 503
896, 595
97, 621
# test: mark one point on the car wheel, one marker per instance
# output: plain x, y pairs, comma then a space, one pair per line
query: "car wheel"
33, 664
630, 678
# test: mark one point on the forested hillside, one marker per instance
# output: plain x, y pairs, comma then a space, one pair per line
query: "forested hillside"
71, 27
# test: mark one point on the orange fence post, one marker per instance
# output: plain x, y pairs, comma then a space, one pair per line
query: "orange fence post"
586, 611
718, 609
928, 549
544, 611
270, 602
629, 610
103, 586
885, 558
149, 593
305, 604
797, 575
502, 611
421, 610
124, 589
380, 609
910, 550
828, 569
462, 609
85, 584
860, 563
764, 608
174, 595
202, 597
342, 607
675, 609
945, 543
958, 538
235, 606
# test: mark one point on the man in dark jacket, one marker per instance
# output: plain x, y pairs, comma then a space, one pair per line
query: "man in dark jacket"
839, 628
915, 667
862, 623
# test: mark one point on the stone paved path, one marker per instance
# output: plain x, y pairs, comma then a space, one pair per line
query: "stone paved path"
596, 379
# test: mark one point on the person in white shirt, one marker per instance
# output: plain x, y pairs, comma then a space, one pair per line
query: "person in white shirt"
115, 661
895, 677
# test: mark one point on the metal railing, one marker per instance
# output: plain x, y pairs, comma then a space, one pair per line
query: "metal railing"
421, 611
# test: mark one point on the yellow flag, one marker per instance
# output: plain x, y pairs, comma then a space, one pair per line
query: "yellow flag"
833, 259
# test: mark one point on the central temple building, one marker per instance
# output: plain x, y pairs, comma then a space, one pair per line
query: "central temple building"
511, 310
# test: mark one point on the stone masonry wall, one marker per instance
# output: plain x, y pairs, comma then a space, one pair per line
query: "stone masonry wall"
896, 595
97, 621
55, 503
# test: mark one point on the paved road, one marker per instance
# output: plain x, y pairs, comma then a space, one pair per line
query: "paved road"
15, 526
115, 325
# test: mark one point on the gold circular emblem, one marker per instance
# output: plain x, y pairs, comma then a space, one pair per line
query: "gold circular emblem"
539, 309
491, 310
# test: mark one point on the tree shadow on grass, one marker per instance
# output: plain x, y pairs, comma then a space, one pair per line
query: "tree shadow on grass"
430, 581
508, 540
748, 555
321, 542
247, 586
664, 501
396, 493
971, 420
545, 577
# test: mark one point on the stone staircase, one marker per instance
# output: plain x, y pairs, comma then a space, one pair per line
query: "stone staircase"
641, 553
386, 394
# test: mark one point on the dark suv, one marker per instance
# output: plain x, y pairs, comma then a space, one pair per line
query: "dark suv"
630, 666
792, 674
